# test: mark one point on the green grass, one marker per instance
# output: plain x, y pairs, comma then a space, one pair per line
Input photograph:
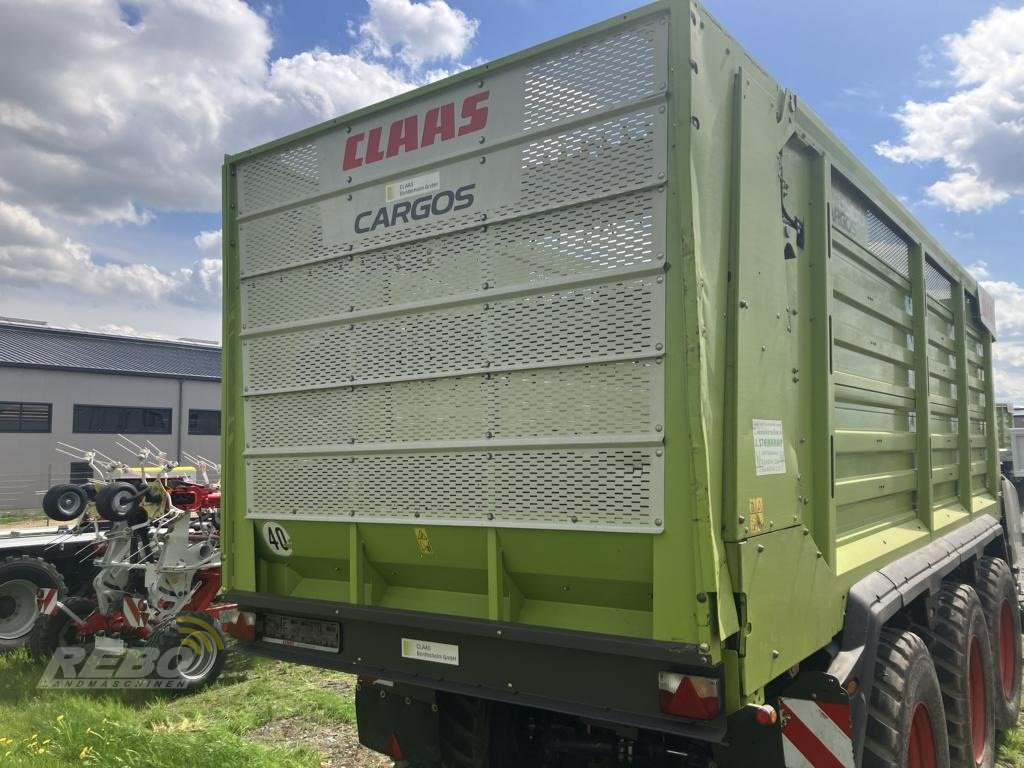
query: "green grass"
62, 728
56, 729
1011, 751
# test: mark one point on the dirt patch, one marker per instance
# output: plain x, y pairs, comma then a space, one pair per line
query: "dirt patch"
338, 745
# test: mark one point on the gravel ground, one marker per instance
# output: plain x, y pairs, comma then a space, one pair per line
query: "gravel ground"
338, 745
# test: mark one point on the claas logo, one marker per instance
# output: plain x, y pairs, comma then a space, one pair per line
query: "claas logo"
415, 131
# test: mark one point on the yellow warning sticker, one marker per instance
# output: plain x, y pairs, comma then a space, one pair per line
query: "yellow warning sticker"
755, 517
423, 541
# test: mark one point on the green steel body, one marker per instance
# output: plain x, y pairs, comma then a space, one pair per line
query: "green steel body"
883, 386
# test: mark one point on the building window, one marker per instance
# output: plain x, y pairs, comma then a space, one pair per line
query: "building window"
116, 419
202, 422
25, 417
80, 473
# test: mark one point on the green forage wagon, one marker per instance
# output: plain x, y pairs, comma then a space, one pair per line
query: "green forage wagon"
596, 406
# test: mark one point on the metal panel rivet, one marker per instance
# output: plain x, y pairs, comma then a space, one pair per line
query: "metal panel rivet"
658, 452
807, 532
744, 304
702, 597
662, 86
349, 180
819, 555
742, 519
693, 17
658, 521
348, 196
693, 66
661, 109
695, 122
775, 654
760, 548
483, 160
574, 519
660, 279
348, 129
483, 139
661, 255
659, 346
658, 427
661, 174
480, 84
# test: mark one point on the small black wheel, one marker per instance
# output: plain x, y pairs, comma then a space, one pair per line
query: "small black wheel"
117, 501
65, 502
960, 645
905, 713
192, 650
998, 595
58, 630
20, 577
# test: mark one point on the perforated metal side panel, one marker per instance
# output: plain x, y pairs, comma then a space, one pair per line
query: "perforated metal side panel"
493, 363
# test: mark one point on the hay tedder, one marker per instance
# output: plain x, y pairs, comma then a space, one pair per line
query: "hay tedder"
153, 554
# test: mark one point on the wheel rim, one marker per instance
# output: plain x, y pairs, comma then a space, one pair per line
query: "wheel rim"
1007, 650
921, 750
68, 502
194, 665
122, 502
18, 608
976, 688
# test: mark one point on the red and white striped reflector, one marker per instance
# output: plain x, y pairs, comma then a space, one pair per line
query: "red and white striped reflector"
46, 599
816, 734
133, 612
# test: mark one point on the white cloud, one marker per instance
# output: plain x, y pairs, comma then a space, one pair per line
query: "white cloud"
134, 118
418, 32
32, 254
113, 112
979, 270
978, 131
1008, 351
323, 85
208, 241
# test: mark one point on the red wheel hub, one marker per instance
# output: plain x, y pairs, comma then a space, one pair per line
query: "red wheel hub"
1007, 649
921, 749
976, 692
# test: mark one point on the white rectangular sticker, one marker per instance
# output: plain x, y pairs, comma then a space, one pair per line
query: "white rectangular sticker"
439, 653
428, 182
769, 447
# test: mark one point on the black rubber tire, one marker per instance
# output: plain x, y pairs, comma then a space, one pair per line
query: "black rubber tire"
65, 502
464, 729
997, 591
52, 632
16, 603
959, 620
117, 501
905, 678
185, 628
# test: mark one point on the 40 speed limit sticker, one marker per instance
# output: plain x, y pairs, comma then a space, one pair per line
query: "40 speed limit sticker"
277, 538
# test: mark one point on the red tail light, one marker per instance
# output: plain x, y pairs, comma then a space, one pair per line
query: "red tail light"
688, 696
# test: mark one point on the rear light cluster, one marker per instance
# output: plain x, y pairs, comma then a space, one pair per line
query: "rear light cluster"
689, 695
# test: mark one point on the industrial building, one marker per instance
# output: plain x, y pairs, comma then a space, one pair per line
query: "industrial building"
84, 389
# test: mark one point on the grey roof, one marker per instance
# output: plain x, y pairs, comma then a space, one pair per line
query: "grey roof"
24, 346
